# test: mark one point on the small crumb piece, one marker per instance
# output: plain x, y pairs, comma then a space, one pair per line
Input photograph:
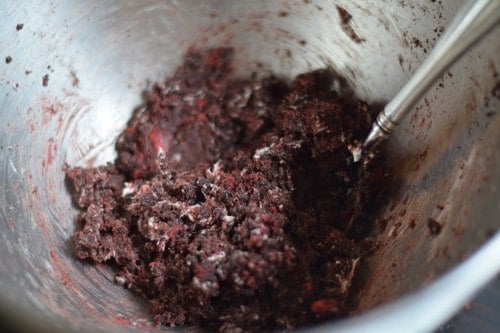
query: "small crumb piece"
75, 81
8, 59
19, 26
45, 80
434, 227
355, 151
120, 280
325, 306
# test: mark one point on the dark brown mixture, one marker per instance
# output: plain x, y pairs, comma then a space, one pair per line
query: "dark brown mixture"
234, 204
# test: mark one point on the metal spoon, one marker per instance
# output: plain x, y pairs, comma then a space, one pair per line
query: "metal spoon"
474, 20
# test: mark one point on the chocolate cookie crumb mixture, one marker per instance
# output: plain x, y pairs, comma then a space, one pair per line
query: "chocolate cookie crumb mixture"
234, 204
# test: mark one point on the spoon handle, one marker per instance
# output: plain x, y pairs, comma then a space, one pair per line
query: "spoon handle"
474, 20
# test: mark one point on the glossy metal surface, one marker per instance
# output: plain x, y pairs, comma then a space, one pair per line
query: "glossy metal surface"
474, 20
99, 55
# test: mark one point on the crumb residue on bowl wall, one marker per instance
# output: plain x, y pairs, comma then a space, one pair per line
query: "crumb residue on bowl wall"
45, 80
345, 21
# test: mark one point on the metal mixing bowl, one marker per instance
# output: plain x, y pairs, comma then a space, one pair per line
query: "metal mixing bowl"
76, 74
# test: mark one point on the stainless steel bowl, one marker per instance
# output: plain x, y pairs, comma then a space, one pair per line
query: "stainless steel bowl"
76, 73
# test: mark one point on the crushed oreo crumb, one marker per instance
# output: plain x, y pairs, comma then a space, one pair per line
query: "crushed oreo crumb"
234, 204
